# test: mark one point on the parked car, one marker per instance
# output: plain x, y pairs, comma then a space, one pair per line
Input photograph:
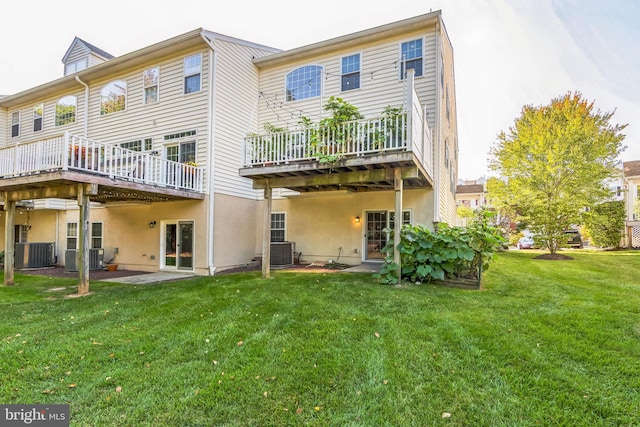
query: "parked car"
574, 239
526, 243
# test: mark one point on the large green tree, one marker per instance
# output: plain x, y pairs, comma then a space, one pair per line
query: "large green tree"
553, 162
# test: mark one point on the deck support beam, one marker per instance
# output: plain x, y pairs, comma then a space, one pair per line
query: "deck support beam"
9, 240
266, 231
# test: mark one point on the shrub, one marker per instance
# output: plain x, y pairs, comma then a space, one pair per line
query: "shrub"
451, 252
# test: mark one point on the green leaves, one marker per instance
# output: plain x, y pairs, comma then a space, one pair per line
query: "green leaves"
552, 164
452, 252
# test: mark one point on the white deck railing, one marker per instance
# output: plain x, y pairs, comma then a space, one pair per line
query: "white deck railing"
403, 132
68, 152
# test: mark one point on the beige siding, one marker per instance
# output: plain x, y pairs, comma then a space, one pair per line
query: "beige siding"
236, 92
48, 122
4, 118
448, 135
380, 82
78, 52
322, 224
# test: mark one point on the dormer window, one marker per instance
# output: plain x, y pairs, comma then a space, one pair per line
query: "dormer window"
74, 67
113, 97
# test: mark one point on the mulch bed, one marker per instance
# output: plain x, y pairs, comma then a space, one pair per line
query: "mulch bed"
554, 257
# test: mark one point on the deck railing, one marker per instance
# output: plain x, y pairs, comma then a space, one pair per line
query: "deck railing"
408, 131
69, 152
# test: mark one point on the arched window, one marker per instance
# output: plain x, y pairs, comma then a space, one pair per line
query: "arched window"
304, 82
113, 97
66, 110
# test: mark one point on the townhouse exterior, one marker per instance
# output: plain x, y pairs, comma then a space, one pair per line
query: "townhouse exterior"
158, 159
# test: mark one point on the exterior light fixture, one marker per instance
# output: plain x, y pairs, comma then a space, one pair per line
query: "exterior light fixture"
357, 220
152, 224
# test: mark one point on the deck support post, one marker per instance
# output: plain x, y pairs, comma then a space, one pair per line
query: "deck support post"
397, 225
9, 240
82, 254
266, 231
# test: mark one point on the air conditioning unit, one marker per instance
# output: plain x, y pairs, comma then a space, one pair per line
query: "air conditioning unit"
34, 255
282, 254
96, 259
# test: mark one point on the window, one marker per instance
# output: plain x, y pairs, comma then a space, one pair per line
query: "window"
278, 227
113, 97
304, 82
15, 124
150, 79
96, 235
37, 117
192, 71
66, 111
411, 57
406, 218
74, 67
184, 152
351, 72
138, 145
72, 235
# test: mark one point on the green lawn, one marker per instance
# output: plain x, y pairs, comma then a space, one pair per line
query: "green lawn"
544, 343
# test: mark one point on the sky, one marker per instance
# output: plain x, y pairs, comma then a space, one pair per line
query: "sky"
507, 53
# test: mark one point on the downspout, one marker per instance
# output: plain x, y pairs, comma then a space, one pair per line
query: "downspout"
86, 107
213, 57
436, 163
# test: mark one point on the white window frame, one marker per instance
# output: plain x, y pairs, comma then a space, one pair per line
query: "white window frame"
349, 73
39, 106
190, 70
73, 233
15, 124
290, 96
74, 67
57, 118
114, 87
404, 60
283, 229
150, 80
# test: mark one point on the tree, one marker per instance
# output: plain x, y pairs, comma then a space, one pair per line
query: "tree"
605, 222
553, 162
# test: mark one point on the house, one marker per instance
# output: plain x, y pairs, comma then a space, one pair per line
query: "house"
157, 159
471, 194
631, 177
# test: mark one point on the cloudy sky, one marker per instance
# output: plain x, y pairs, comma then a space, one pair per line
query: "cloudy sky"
508, 53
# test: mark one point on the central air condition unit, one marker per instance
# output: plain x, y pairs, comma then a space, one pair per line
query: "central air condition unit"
96, 259
282, 254
34, 255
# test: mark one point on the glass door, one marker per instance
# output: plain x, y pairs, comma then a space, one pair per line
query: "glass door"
376, 237
178, 245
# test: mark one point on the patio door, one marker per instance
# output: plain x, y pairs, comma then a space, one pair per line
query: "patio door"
376, 238
178, 245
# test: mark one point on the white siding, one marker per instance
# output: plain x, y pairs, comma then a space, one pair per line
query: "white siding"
235, 114
380, 82
48, 120
3, 126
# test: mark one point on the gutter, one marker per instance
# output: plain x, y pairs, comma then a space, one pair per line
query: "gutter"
213, 58
86, 107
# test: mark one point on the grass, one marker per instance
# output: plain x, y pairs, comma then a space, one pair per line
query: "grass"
552, 343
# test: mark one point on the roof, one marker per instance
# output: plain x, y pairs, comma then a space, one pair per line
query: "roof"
354, 39
123, 63
93, 49
631, 168
470, 189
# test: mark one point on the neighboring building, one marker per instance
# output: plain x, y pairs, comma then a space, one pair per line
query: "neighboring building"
631, 173
156, 156
471, 194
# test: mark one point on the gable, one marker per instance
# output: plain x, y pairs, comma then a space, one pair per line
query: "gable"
81, 55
